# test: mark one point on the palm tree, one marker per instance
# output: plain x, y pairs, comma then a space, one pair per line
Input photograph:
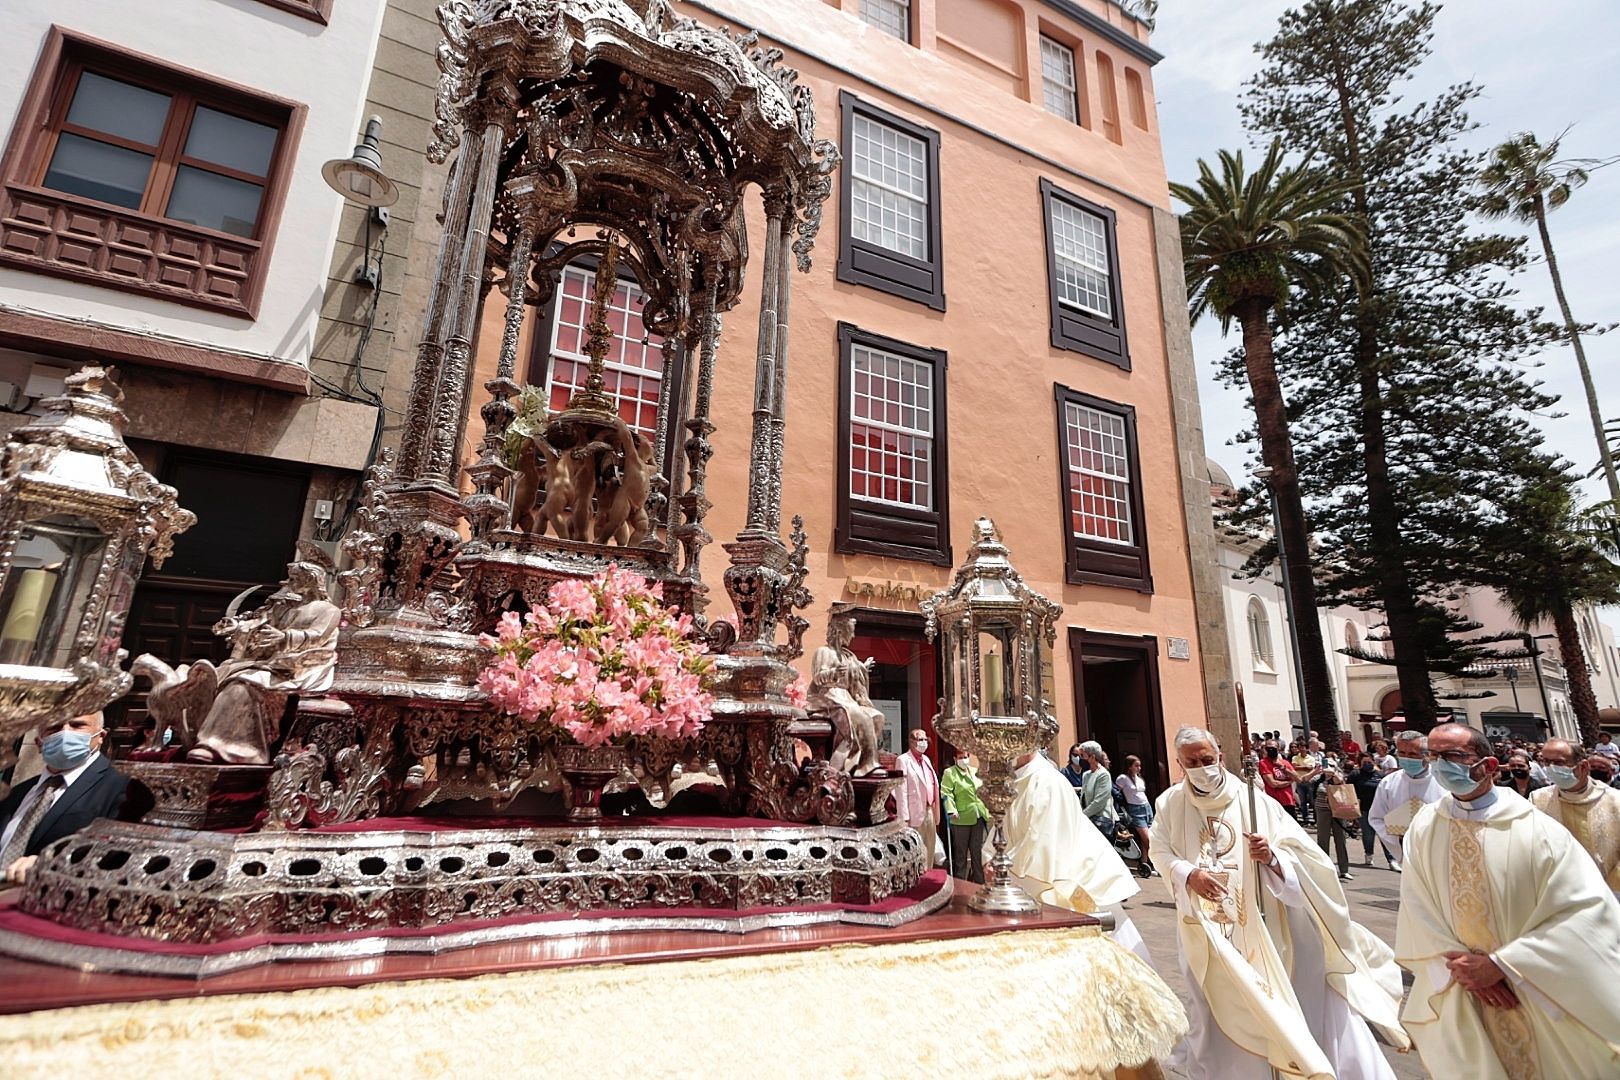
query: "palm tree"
1248, 240
1525, 181
1562, 564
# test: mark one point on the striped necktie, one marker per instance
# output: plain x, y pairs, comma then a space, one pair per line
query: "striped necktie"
50, 788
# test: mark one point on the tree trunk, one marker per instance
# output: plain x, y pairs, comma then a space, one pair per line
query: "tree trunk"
1574, 332
1577, 676
1277, 451
1394, 591
1383, 523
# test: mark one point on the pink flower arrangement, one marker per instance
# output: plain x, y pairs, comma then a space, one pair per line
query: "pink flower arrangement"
602, 662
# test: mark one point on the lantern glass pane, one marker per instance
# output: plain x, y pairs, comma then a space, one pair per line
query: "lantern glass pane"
53, 571
998, 654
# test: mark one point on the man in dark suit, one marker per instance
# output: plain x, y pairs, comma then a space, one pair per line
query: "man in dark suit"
78, 786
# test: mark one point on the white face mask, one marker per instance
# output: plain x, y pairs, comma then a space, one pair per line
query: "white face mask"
1206, 779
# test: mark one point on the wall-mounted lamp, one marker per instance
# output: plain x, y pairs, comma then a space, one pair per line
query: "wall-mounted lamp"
360, 179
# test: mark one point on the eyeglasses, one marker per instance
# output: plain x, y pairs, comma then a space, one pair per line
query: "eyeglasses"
1456, 757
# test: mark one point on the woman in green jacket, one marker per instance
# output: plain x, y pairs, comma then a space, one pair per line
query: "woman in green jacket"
968, 818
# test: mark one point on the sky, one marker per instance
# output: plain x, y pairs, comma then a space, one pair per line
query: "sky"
1539, 74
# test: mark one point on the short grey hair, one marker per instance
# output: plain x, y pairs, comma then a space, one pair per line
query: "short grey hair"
1194, 736
1411, 735
1091, 747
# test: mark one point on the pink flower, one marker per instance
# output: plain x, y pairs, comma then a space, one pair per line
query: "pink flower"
602, 661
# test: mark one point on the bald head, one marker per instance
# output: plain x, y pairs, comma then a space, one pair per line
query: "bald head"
1560, 752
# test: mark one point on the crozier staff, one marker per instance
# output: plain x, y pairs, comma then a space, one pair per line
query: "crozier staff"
1251, 1010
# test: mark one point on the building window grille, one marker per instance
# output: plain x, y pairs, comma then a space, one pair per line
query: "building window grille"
892, 472
633, 371
1058, 87
1083, 276
1100, 483
1099, 475
889, 231
891, 436
891, 189
893, 17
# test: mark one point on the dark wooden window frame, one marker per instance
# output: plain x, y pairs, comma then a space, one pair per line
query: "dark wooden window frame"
137, 250
1074, 330
873, 528
545, 328
1100, 562
317, 10
861, 262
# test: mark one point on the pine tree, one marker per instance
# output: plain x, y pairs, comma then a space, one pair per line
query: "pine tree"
1409, 399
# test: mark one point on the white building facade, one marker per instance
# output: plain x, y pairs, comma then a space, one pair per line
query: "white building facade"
1367, 694
163, 212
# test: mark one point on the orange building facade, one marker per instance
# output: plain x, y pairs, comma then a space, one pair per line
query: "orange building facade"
994, 325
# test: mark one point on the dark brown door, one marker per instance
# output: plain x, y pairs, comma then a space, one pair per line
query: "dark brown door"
248, 522
1116, 694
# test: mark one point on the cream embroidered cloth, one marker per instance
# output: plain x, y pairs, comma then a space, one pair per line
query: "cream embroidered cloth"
1511, 884
1592, 818
1056, 1004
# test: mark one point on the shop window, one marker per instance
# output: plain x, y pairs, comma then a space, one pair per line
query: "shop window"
1102, 492
892, 497
1082, 271
133, 174
889, 204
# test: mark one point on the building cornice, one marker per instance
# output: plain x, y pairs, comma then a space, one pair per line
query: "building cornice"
86, 341
1106, 30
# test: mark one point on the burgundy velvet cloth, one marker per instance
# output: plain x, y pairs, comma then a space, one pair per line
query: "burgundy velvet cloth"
449, 823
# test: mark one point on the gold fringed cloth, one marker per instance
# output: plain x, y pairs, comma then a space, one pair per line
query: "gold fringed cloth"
1031, 1004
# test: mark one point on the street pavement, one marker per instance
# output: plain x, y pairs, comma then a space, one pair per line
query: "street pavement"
1374, 897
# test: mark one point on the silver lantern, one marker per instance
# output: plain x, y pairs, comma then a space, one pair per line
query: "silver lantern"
78, 517
993, 631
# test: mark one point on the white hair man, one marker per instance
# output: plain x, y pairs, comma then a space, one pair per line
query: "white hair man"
1058, 857
78, 785
1507, 928
1252, 1012
1590, 811
1402, 794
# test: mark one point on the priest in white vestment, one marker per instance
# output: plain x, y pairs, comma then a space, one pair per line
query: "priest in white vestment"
1508, 929
1294, 991
1059, 857
1589, 810
1403, 793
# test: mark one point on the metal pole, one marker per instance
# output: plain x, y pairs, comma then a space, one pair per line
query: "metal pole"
1541, 686
1288, 608
1512, 676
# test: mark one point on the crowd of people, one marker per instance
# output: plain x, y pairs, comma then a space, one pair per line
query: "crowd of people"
1508, 919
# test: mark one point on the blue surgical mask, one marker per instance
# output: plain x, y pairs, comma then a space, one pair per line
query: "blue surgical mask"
1457, 779
1413, 766
1563, 776
65, 751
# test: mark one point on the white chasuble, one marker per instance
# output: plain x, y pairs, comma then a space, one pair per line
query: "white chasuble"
1294, 991
1060, 858
1396, 803
1511, 883
1592, 818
